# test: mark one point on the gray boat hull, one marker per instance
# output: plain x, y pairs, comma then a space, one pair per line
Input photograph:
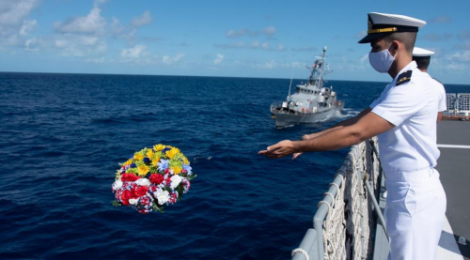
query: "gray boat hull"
289, 119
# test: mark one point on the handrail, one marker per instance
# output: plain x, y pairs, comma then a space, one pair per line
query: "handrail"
359, 162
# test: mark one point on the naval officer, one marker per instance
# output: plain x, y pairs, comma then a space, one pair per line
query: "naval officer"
423, 59
404, 118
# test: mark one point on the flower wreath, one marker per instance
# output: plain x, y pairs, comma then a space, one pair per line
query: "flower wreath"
152, 178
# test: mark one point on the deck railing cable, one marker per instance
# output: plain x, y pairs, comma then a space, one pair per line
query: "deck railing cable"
344, 224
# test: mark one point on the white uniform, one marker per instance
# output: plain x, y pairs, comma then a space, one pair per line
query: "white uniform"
416, 200
441, 91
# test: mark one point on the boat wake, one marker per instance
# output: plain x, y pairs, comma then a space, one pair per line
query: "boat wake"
346, 113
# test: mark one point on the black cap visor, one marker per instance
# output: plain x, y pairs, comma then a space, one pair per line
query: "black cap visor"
370, 37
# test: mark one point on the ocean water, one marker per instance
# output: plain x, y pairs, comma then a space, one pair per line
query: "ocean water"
63, 135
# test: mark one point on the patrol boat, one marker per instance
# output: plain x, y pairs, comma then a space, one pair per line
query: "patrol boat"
311, 102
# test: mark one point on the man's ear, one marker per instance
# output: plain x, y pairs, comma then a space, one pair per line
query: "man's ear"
394, 46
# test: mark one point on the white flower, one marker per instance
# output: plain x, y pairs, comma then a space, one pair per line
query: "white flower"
175, 181
162, 196
143, 182
133, 201
117, 185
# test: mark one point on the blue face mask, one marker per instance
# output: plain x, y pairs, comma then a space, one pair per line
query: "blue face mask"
381, 61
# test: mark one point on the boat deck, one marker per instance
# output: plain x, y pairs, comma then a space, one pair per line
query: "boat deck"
454, 144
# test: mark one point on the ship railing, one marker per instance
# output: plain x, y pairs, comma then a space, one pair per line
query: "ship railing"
458, 104
344, 223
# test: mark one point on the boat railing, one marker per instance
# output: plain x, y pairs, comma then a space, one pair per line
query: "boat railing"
344, 223
458, 104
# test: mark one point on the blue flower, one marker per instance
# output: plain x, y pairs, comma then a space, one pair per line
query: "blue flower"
146, 160
163, 164
187, 168
133, 165
166, 149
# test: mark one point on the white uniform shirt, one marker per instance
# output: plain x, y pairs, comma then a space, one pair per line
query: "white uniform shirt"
441, 91
412, 108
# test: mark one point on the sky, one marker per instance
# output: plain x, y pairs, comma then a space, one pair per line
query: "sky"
227, 38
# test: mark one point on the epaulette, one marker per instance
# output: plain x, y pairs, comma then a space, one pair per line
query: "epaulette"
404, 77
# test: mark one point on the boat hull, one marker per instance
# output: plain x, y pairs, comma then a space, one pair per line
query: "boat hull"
289, 119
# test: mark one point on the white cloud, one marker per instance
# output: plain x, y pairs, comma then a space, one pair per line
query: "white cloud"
31, 45
95, 60
280, 47
134, 52
235, 34
441, 19
219, 59
116, 27
236, 45
144, 19
92, 23
12, 13
13, 21
304, 49
97, 2
254, 45
79, 45
170, 60
270, 64
267, 65
296, 64
269, 30
27, 27
463, 56
364, 58
265, 45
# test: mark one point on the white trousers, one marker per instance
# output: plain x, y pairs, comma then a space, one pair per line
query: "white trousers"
415, 211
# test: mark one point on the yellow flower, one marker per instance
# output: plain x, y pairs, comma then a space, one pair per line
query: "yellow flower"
150, 154
171, 153
138, 156
143, 170
185, 160
155, 161
158, 147
176, 169
128, 162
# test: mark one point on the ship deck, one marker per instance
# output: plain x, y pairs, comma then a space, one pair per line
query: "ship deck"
454, 144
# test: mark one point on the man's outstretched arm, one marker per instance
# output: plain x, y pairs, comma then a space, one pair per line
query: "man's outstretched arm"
366, 127
341, 124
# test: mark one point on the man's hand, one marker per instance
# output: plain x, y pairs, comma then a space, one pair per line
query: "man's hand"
279, 150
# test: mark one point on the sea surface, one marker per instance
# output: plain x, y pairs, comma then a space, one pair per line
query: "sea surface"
63, 135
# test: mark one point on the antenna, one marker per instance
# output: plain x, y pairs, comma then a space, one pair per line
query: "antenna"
290, 85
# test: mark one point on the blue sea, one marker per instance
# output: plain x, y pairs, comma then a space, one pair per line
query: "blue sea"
63, 135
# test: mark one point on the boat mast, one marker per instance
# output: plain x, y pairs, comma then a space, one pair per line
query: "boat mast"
320, 69
290, 85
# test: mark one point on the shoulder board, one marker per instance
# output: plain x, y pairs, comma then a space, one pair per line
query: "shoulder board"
404, 77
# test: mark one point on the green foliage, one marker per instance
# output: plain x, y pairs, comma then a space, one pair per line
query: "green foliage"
116, 203
156, 208
132, 170
153, 169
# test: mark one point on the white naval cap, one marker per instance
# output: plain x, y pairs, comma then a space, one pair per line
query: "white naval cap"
380, 24
420, 52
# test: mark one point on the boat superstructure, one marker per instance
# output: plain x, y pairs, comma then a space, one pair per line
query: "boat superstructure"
311, 102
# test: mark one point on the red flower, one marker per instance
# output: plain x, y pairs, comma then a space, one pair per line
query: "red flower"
129, 177
156, 178
126, 195
141, 191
